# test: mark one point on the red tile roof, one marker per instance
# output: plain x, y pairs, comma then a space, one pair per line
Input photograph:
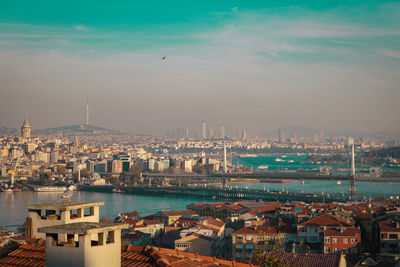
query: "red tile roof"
320, 260
25, 255
389, 226
133, 256
324, 219
345, 232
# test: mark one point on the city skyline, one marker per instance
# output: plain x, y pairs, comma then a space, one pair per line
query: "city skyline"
258, 67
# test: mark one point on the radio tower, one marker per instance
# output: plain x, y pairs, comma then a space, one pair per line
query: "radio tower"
352, 188
87, 110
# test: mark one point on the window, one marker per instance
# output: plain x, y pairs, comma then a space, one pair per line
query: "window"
260, 238
327, 240
110, 237
346, 241
327, 249
313, 239
239, 237
303, 229
354, 240
250, 246
335, 250
392, 236
384, 236
334, 240
249, 237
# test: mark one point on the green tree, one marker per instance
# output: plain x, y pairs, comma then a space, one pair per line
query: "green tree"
84, 173
270, 254
61, 170
199, 168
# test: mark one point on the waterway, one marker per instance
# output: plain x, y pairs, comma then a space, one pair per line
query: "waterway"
289, 162
13, 204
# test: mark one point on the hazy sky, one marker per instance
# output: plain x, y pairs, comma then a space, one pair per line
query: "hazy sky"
243, 64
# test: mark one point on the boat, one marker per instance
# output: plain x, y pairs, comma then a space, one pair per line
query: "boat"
290, 161
278, 159
7, 190
50, 189
117, 190
263, 167
339, 182
302, 182
283, 156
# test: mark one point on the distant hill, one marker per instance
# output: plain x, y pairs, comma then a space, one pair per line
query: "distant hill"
4, 131
299, 131
76, 130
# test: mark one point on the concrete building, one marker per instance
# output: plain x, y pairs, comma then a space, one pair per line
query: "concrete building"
346, 241
48, 214
204, 130
83, 244
389, 236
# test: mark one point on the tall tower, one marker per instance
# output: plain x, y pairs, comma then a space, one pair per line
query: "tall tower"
25, 129
225, 169
352, 187
203, 130
87, 110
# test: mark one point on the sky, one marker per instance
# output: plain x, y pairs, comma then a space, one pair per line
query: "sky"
258, 65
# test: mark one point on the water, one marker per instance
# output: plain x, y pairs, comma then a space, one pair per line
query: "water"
298, 162
13, 205
364, 189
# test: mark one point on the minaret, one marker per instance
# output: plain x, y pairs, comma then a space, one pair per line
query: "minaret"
87, 110
225, 170
352, 188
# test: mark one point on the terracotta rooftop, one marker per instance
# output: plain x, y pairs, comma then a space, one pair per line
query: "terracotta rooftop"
178, 212
390, 226
134, 256
324, 219
344, 232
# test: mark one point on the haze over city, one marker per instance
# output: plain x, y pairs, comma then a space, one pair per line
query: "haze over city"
331, 66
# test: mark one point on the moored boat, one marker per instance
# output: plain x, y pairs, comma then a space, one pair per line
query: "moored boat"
50, 189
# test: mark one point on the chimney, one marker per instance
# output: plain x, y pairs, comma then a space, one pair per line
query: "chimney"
397, 225
341, 229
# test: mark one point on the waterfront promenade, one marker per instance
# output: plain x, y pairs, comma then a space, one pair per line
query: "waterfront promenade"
217, 192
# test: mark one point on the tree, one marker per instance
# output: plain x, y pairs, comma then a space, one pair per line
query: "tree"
84, 173
271, 254
61, 170
198, 168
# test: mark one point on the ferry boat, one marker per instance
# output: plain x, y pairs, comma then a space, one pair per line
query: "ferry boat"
339, 182
50, 189
6, 190
263, 167
117, 190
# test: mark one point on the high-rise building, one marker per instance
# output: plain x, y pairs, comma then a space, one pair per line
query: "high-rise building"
221, 132
26, 129
279, 135
204, 130
87, 110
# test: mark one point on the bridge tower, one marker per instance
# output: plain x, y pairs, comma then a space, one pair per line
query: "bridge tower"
352, 187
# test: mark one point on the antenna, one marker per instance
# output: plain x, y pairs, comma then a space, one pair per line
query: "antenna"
87, 109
